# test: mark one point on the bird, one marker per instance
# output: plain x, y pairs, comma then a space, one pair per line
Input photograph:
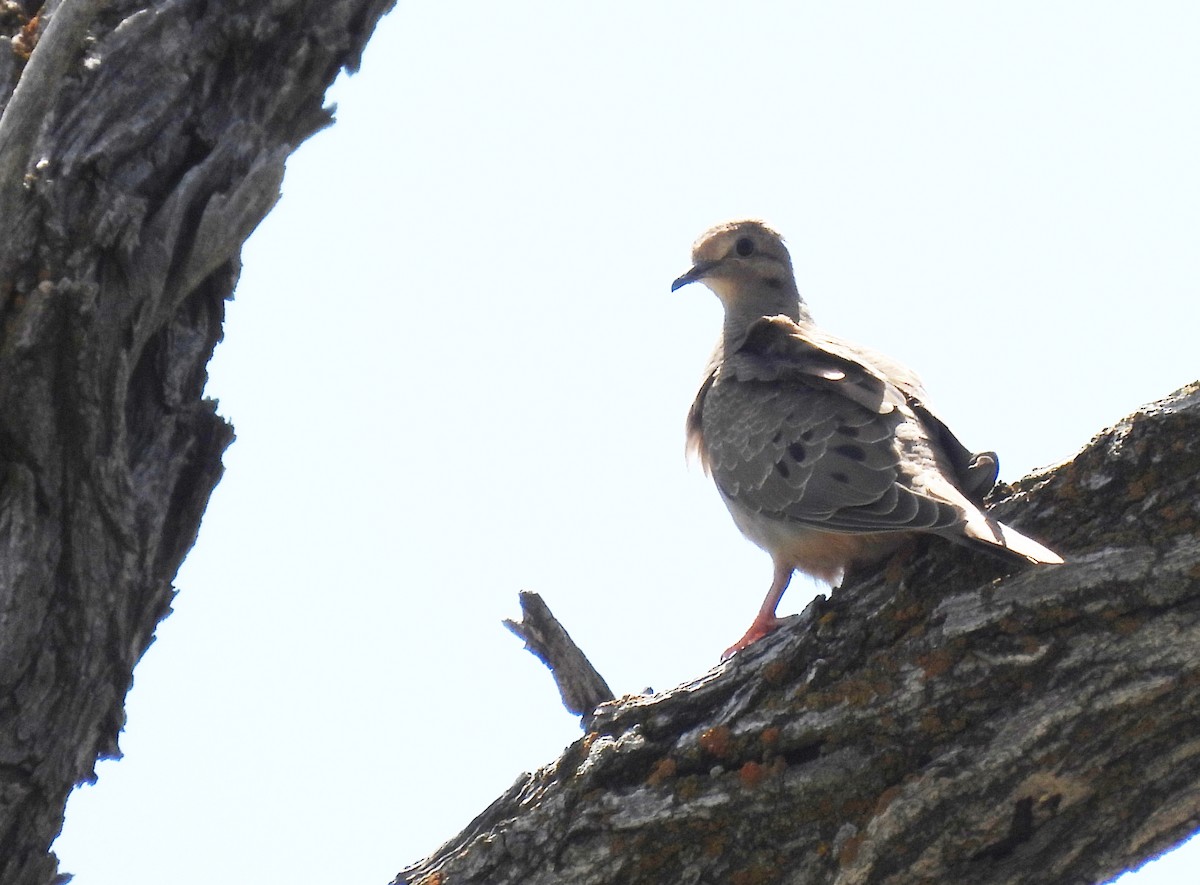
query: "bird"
826, 453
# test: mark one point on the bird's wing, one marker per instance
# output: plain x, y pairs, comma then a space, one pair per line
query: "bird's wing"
800, 432
974, 473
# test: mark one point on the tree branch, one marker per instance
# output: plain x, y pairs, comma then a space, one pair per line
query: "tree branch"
582, 688
947, 724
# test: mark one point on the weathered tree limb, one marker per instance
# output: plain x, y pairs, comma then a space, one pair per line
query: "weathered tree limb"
944, 724
144, 142
582, 688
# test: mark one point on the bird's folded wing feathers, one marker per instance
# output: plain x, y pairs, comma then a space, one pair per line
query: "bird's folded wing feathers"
778, 347
794, 430
976, 473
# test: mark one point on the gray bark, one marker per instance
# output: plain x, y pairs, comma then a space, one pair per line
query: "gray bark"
143, 143
936, 721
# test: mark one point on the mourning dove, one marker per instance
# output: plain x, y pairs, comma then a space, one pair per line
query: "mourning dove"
825, 453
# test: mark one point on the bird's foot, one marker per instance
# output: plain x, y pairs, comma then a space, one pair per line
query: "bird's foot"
760, 628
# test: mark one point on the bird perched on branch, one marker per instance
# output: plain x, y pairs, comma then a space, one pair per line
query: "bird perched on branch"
825, 452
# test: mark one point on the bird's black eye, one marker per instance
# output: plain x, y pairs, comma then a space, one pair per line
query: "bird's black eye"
744, 247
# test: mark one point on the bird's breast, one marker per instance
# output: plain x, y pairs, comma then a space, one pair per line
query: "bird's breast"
821, 554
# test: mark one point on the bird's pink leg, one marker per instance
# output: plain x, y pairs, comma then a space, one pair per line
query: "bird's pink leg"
765, 621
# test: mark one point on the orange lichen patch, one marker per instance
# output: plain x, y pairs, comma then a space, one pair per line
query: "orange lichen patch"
822, 849
24, 42
1171, 512
1144, 727
1060, 614
856, 692
886, 665
932, 724
714, 846
885, 723
906, 613
752, 774
890, 760
976, 692
431, 879
1136, 490
654, 861
861, 692
663, 771
886, 798
575, 755
770, 737
827, 618
816, 700
1011, 625
717, 741
937, 662
850, 849
759, 874
1125, 626
856, 808
775, 673
689, 788
1050, 760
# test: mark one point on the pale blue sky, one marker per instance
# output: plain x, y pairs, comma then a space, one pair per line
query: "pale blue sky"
456, 371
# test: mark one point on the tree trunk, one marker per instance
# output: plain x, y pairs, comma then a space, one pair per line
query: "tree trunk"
935, 722
143, 144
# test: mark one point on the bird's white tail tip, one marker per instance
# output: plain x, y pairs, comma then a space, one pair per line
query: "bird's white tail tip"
1027, 547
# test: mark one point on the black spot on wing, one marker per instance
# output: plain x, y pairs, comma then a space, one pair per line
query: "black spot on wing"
796, 450
851, 451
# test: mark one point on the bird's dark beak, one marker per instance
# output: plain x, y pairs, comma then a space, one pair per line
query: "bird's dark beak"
696, 273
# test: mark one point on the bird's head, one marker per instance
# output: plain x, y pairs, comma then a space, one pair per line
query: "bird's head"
741, 259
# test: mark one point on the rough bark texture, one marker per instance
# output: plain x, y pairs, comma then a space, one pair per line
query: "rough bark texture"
935, 722
143, 144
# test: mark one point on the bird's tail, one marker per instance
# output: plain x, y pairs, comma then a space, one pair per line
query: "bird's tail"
1007, 543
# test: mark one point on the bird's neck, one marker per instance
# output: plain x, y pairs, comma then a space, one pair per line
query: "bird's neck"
749, 307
